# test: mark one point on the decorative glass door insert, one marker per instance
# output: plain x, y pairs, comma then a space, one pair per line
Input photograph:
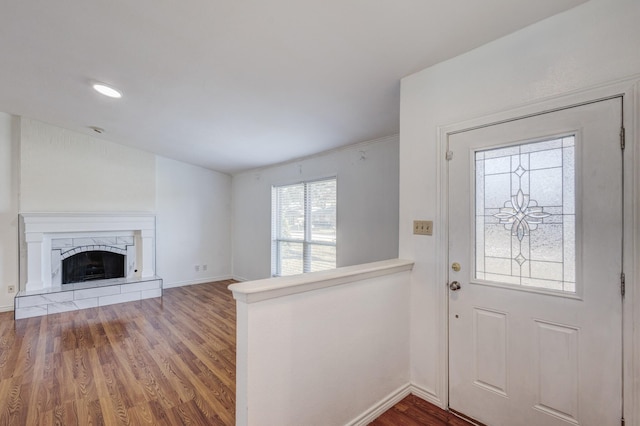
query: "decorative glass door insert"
525, 214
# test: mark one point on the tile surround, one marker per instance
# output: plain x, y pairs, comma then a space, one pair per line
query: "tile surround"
77, 296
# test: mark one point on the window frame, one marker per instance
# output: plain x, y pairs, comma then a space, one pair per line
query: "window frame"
307, 242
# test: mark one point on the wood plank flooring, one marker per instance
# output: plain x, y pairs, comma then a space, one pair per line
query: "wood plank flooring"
163, 361
413, 411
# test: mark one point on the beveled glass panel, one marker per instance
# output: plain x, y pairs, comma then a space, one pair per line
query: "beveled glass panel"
497, 188
546, 186
525, 214
545, 159
479, 188
504, 279
546, 284
480, 268
497, 265
540, 146
551, 271
546, 243
568, 180
569, 253
497, 165
568, 141
497, 242
494, 153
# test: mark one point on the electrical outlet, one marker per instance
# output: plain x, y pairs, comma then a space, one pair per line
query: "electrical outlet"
423, 227
197, 268
204, 267
11, 289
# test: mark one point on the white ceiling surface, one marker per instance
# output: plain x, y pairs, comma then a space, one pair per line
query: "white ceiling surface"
236, 84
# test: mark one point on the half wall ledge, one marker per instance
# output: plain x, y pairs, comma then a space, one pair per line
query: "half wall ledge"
271, 288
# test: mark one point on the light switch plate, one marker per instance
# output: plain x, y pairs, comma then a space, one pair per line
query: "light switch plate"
423, 227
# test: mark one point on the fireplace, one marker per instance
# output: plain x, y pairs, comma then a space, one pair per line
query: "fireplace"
72, 261
92, 265
64, 248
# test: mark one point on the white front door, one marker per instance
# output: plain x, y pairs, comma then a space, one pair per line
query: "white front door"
535, 226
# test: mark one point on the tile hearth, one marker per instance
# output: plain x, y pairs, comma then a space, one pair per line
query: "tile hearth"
90, 294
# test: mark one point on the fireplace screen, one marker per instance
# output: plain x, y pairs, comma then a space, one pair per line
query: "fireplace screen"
92, 265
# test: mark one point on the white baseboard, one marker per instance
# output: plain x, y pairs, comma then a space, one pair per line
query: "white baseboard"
6, 308
427, 395
381, 406
392, 399
198, 281
240, 279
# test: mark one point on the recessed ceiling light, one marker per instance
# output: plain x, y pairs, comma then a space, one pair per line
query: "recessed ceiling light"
106, 90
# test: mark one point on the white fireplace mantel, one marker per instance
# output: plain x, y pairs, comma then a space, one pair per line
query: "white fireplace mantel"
40, 229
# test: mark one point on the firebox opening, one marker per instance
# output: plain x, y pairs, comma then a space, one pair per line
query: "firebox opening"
92, 265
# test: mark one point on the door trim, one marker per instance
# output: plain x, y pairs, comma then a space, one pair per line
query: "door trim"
629, 90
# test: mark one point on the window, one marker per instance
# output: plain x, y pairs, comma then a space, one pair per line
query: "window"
525, 214
303, 227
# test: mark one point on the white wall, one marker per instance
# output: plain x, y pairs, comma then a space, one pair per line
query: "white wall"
9, 135
193, 223
44, 168
592, 44
367, 221
329, 356
65, 171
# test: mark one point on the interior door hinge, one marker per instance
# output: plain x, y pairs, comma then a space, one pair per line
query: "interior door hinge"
622, 422
623, 286
622, 138
449, 155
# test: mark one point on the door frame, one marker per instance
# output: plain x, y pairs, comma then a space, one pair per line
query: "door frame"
629, 90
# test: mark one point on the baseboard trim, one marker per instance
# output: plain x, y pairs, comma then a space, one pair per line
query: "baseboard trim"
198, 281
6, 308
240, 279
427, 395
377, 409
381, 406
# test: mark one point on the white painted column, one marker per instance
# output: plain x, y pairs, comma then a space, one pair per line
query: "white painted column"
46, 261
34, 261
147, 236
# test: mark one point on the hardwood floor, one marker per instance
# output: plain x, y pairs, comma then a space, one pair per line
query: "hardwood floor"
168, 361
413, 411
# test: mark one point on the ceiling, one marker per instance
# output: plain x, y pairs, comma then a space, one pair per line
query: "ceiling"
236, 84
